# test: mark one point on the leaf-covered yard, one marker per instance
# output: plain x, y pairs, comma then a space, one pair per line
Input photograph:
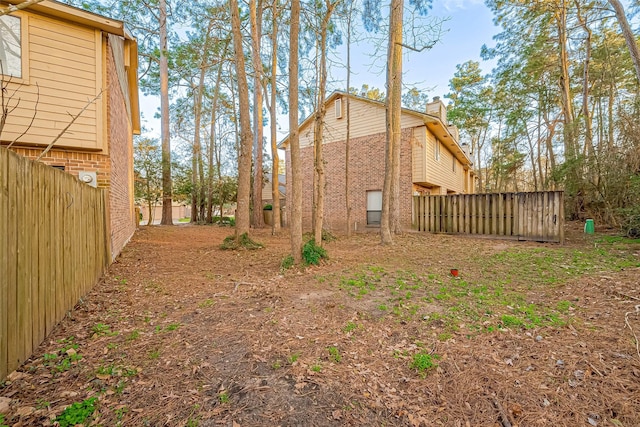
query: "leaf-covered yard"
182, 333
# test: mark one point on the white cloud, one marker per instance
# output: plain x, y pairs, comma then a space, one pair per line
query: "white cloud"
453, 5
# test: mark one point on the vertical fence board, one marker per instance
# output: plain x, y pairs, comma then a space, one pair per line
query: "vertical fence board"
37, 330
4, 259
23, 201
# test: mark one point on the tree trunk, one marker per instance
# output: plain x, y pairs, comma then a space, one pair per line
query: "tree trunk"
246, 138
388, 223
167, 211
319, 126
212, 143
347, 147
294, 136
275, 184
256, 35
629, 37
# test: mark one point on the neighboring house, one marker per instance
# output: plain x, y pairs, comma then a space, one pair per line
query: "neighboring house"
267, 191
58, 58
431, 161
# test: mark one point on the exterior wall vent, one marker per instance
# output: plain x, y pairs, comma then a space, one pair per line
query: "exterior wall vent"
88, 178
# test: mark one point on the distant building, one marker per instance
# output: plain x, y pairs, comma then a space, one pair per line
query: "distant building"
432, 161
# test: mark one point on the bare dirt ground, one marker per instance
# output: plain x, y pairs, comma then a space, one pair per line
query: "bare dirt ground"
182, 333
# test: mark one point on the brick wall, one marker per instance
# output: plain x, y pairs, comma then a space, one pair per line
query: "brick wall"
367, 174
119, 137
73, 161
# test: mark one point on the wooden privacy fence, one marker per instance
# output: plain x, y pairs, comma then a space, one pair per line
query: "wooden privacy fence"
53, 248
537, 216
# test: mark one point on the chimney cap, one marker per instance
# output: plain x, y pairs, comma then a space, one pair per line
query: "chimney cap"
436, 98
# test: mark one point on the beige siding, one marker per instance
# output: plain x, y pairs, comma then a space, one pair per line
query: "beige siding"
366, 119
419, 155
440, 172
63, 66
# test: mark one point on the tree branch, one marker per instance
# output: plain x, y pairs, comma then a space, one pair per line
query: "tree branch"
35, 112
14, 8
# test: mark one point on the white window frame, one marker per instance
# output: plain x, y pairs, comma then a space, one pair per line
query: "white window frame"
436, 153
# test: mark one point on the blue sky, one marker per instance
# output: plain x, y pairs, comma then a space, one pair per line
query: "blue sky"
469, 26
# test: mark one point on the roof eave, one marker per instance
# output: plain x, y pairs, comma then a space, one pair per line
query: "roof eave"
76, 15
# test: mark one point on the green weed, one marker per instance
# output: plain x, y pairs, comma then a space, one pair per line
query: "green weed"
101, 329
134, 335
77, 413
334, 354
287, 262
423, 362
350, 327
293, 358
173, 326
224, 397
316, 368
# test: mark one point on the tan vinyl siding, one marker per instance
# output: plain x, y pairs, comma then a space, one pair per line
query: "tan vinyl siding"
419, 155
439, 172
66, 69
366, 119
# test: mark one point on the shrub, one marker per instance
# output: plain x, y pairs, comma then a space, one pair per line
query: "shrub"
312, 254
267, 207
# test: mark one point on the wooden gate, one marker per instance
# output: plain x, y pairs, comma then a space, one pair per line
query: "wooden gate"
536, 216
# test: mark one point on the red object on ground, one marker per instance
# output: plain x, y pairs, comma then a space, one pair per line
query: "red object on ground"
454, 272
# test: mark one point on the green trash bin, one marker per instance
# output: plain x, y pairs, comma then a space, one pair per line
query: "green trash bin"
589, 227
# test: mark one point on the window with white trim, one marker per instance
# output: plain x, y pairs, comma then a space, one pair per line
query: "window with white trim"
436, 153
374, 207
10, 46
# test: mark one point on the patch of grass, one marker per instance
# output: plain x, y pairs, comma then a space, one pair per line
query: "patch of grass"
316, 368
293, 358
134, 335
563, 306
287, 262
383, 307
423, 362
334, 354
241, 242
312, 254
444, 336
2, 421
350, 327
509, 321
224, 397
276, 365
77, 413
154, 354
172, 326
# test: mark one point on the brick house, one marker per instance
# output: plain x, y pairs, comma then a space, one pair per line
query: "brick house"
58, 58
432, 161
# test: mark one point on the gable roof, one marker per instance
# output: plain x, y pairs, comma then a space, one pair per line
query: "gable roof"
434, 123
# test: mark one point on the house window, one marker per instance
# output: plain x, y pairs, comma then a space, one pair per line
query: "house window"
374, 207
453, 164
437, 150
10, 46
